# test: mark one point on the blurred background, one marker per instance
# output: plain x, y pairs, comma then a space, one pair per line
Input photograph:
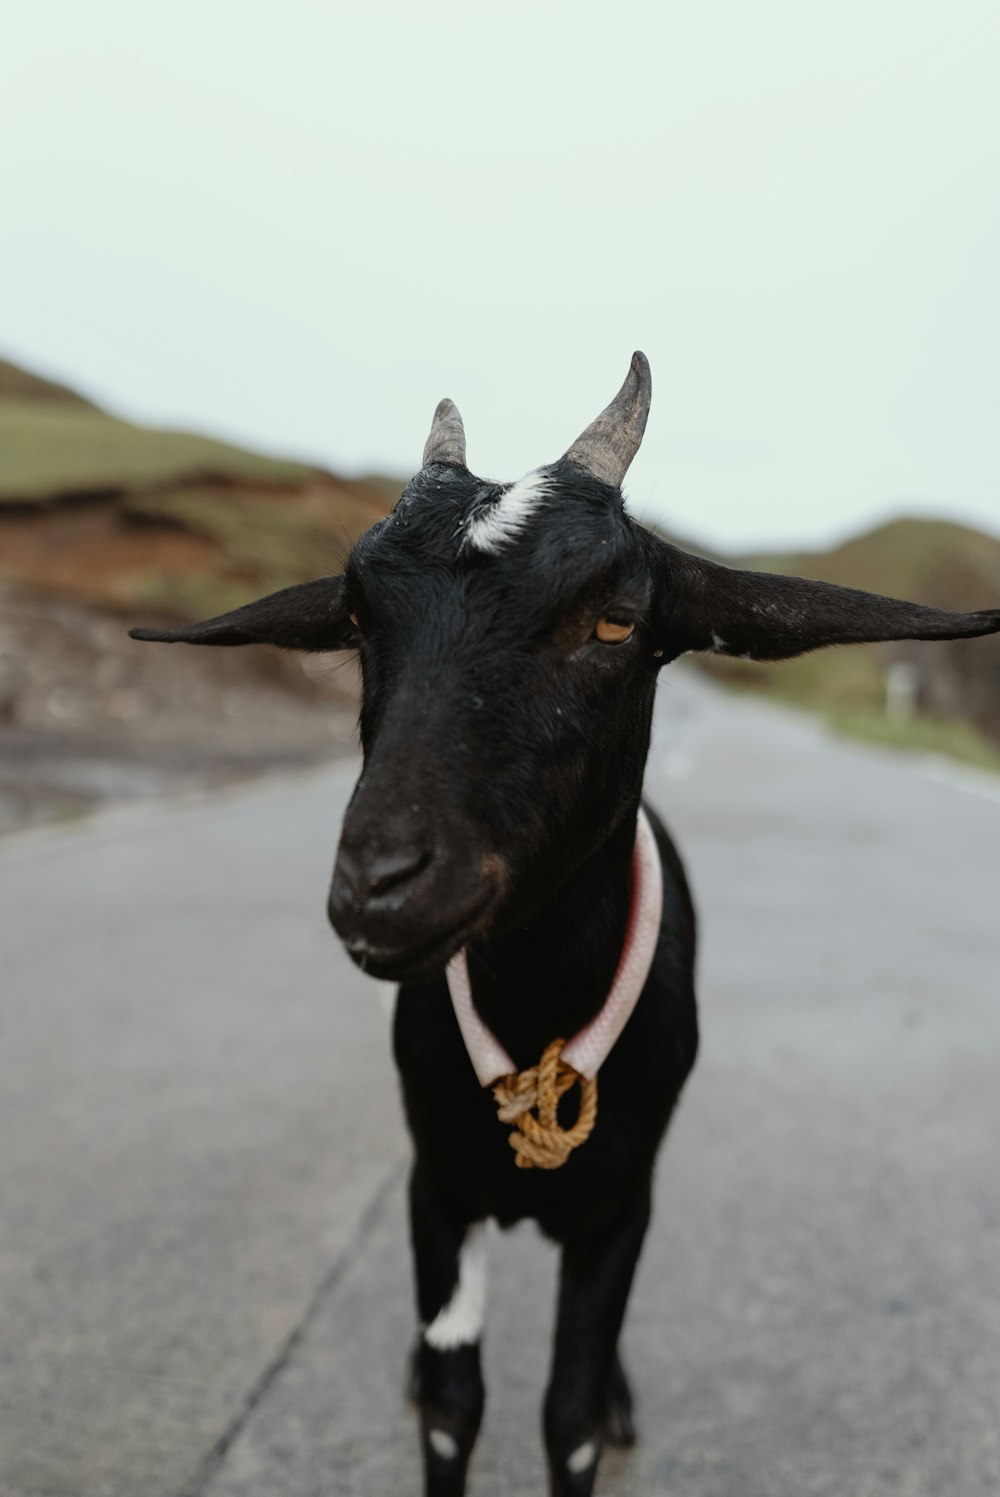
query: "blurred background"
246, 247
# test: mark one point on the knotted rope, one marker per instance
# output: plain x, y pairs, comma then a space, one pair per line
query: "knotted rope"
539, 1142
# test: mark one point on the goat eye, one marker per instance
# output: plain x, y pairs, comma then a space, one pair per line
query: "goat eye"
613, 631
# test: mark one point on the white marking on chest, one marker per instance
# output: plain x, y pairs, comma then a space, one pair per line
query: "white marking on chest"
446, 1445
719, 645
461, 1321
502, 522
582, 1457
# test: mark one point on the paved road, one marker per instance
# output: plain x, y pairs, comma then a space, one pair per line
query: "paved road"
202, 1263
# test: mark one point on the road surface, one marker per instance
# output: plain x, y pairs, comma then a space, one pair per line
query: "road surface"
203, 1264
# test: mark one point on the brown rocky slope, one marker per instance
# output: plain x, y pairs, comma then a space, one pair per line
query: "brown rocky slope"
104, 524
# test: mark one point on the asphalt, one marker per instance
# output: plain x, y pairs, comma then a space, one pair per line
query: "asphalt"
203, 1277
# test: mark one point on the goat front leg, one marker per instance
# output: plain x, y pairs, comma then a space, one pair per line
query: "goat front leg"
450, 1269
587, 1398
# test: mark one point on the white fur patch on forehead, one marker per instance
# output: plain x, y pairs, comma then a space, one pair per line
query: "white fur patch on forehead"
492, 529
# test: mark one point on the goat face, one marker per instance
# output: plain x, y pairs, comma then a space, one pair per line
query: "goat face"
509, 639
508, 676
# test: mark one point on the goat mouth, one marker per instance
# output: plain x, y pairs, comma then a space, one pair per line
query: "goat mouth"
426, 959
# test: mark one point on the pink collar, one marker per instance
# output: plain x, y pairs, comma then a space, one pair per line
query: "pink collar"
587, 1051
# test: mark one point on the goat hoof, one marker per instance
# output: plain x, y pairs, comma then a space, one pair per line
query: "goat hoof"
619, 1424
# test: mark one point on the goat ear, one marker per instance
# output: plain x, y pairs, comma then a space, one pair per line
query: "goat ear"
311, 616
761, 616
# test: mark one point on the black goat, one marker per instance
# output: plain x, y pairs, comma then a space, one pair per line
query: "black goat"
496, 862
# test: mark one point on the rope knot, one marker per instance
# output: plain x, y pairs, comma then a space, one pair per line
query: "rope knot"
538, 1141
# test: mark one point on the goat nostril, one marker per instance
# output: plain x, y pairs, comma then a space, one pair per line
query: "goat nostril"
387, 872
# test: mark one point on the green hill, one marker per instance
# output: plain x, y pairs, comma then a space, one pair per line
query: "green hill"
48, 450
120, 517
133, 518
958, 681
55, 443
21, 384
932, 561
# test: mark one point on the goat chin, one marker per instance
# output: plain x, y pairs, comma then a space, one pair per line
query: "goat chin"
423, 960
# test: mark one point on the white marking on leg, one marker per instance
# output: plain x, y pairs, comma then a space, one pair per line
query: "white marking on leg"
582, 1457
461, 1321
445, 1445
502, 522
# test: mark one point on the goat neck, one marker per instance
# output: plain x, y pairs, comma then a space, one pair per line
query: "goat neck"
551, 976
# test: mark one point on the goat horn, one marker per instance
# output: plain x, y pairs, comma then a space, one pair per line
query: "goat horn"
446, 443
609, 444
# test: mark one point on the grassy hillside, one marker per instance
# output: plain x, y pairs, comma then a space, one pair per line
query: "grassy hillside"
130, 518
933, 561
49, 450
103, 524
99, 513
930, 561
21, 384
55, 443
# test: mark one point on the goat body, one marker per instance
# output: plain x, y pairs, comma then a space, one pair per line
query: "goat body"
596, 1205
510, 639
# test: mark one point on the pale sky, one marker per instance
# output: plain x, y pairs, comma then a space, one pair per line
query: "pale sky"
299, 223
